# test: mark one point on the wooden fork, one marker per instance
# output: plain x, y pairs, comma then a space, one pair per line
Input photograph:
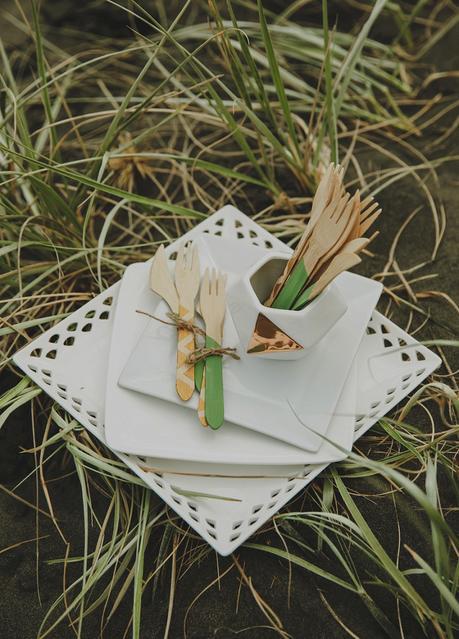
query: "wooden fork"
161, 281
352, 211
212, 301
187, 284
369, 212
327, 231
330, 187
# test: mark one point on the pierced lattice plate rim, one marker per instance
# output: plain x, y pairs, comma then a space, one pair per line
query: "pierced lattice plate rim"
69, 362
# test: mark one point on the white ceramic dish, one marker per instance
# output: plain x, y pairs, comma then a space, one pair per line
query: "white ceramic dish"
165, 429
69, 362
292, 334
292, 401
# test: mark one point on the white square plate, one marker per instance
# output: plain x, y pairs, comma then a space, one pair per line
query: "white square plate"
143, 425
292, 401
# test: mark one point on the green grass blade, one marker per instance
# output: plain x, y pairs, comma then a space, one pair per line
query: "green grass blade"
41, 64
277, 79
330, 102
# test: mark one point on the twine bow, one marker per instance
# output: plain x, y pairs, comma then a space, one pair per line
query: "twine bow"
177, 321
200, 353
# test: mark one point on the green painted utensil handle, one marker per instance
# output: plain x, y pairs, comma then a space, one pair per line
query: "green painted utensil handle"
292, 287
198, 372
214, 409
303, 299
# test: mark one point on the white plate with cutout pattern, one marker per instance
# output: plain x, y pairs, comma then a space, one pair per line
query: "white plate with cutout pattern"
70, 360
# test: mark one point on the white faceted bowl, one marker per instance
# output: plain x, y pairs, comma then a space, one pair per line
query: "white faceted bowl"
306, 327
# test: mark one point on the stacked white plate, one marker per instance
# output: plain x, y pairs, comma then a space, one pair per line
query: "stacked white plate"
113, 370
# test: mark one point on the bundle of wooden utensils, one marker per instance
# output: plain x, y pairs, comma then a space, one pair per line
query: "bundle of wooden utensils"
199, 368
329, 245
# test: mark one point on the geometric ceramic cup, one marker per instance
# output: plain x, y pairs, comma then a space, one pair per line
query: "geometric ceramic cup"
277, 333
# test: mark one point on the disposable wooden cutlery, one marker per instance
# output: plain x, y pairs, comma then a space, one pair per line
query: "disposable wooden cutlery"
326, 233
200, 382
187, 277
336, 226
341, 262
330, 187
207, 373
161, 281
351, 214
212, 301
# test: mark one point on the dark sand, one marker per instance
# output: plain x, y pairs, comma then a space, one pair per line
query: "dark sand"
214, 615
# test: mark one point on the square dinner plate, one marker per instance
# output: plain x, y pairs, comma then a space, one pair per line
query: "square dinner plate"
146, 425
292, 401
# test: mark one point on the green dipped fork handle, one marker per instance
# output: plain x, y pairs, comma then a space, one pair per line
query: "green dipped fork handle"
292, 287
214, 403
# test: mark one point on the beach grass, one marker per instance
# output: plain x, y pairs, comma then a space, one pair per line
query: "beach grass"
110, 146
